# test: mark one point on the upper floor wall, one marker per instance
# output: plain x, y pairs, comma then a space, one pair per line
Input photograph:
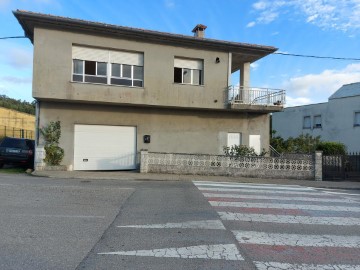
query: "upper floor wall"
158, 76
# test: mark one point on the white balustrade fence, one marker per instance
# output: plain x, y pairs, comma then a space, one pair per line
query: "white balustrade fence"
255, 96
267, 167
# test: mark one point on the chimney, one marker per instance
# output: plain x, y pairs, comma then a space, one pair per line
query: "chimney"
199, 30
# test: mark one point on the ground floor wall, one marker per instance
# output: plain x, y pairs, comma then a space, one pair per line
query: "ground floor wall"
170, 130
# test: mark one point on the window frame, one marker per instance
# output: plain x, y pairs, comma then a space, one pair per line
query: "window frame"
201, 72
355, 123
131, 78
307, 117
133, 82
314, 122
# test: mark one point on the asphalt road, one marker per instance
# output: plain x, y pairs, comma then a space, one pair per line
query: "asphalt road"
108, 224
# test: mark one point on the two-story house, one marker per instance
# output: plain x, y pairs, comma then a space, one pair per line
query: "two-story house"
117, 90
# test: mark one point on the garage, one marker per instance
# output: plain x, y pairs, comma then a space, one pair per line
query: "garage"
98, 147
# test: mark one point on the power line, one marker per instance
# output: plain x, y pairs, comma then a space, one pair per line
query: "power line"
318, 57
12, 37
279, 53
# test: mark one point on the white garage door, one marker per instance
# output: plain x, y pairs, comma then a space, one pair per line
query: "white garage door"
99, 147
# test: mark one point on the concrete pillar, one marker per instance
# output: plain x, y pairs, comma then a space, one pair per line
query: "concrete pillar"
245, 75
144, 161
244, 83
318, 166
39, 163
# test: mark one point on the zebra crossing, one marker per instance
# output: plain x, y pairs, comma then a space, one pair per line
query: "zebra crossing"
288, 226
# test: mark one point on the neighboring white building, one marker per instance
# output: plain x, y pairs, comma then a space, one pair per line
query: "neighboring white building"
336, 120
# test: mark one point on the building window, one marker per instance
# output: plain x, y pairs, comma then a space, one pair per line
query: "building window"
317, 121
129, 75
357, 119
307, 122
188, 71
107, 67
233, 139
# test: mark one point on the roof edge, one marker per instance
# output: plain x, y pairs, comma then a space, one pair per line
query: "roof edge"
28, 20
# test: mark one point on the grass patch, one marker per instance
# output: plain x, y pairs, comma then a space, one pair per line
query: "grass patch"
12, 170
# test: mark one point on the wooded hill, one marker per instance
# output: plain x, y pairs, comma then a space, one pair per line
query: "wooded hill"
17, 105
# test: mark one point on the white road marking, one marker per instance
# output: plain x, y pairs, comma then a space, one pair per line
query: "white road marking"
201, 224
278, 197
287, 206
296, 240
254, 186
247, 184
278, 265
287, 219
215, 252
341, 193
57, 216
8, 185
242, 190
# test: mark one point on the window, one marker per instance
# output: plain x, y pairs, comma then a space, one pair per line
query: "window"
307, 122
188, 71
233, 139
127, 75
107, 67
317, 121
357, 119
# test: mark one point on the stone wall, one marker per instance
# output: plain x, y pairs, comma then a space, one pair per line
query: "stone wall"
260, 167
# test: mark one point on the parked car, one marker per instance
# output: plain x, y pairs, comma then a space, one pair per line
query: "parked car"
17, 151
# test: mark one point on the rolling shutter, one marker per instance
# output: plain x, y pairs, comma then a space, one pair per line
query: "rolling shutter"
91, 54
188, 63
128, 58
99, 55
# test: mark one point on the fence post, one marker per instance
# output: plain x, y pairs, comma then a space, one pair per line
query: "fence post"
144, 163
318, 166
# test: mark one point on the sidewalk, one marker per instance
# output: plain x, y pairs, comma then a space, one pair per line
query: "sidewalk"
136, 176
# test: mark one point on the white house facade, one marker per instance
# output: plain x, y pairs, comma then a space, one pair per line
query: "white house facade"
336, 120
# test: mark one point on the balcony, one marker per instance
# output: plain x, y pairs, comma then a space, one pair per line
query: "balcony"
255, 98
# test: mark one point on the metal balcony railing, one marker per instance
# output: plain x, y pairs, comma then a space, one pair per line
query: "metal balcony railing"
255, 96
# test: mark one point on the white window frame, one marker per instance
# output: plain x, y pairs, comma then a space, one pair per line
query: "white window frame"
314, 121
356, 124
127, 78
109, 63
307, 117
186, 66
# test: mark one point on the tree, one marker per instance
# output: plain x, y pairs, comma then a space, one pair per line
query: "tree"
53, 152
17, 105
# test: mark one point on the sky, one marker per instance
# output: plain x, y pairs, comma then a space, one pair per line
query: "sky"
308, 27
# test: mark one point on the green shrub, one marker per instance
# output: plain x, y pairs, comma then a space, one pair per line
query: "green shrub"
53, 153
331, 148
242, 151
304, 144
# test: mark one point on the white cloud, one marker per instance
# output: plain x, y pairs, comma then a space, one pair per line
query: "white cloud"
250, 24
169, 3
318, 87
290, 101
341, 15
254, 66
260, 5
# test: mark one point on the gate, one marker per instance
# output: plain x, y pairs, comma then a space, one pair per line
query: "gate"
346, 167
